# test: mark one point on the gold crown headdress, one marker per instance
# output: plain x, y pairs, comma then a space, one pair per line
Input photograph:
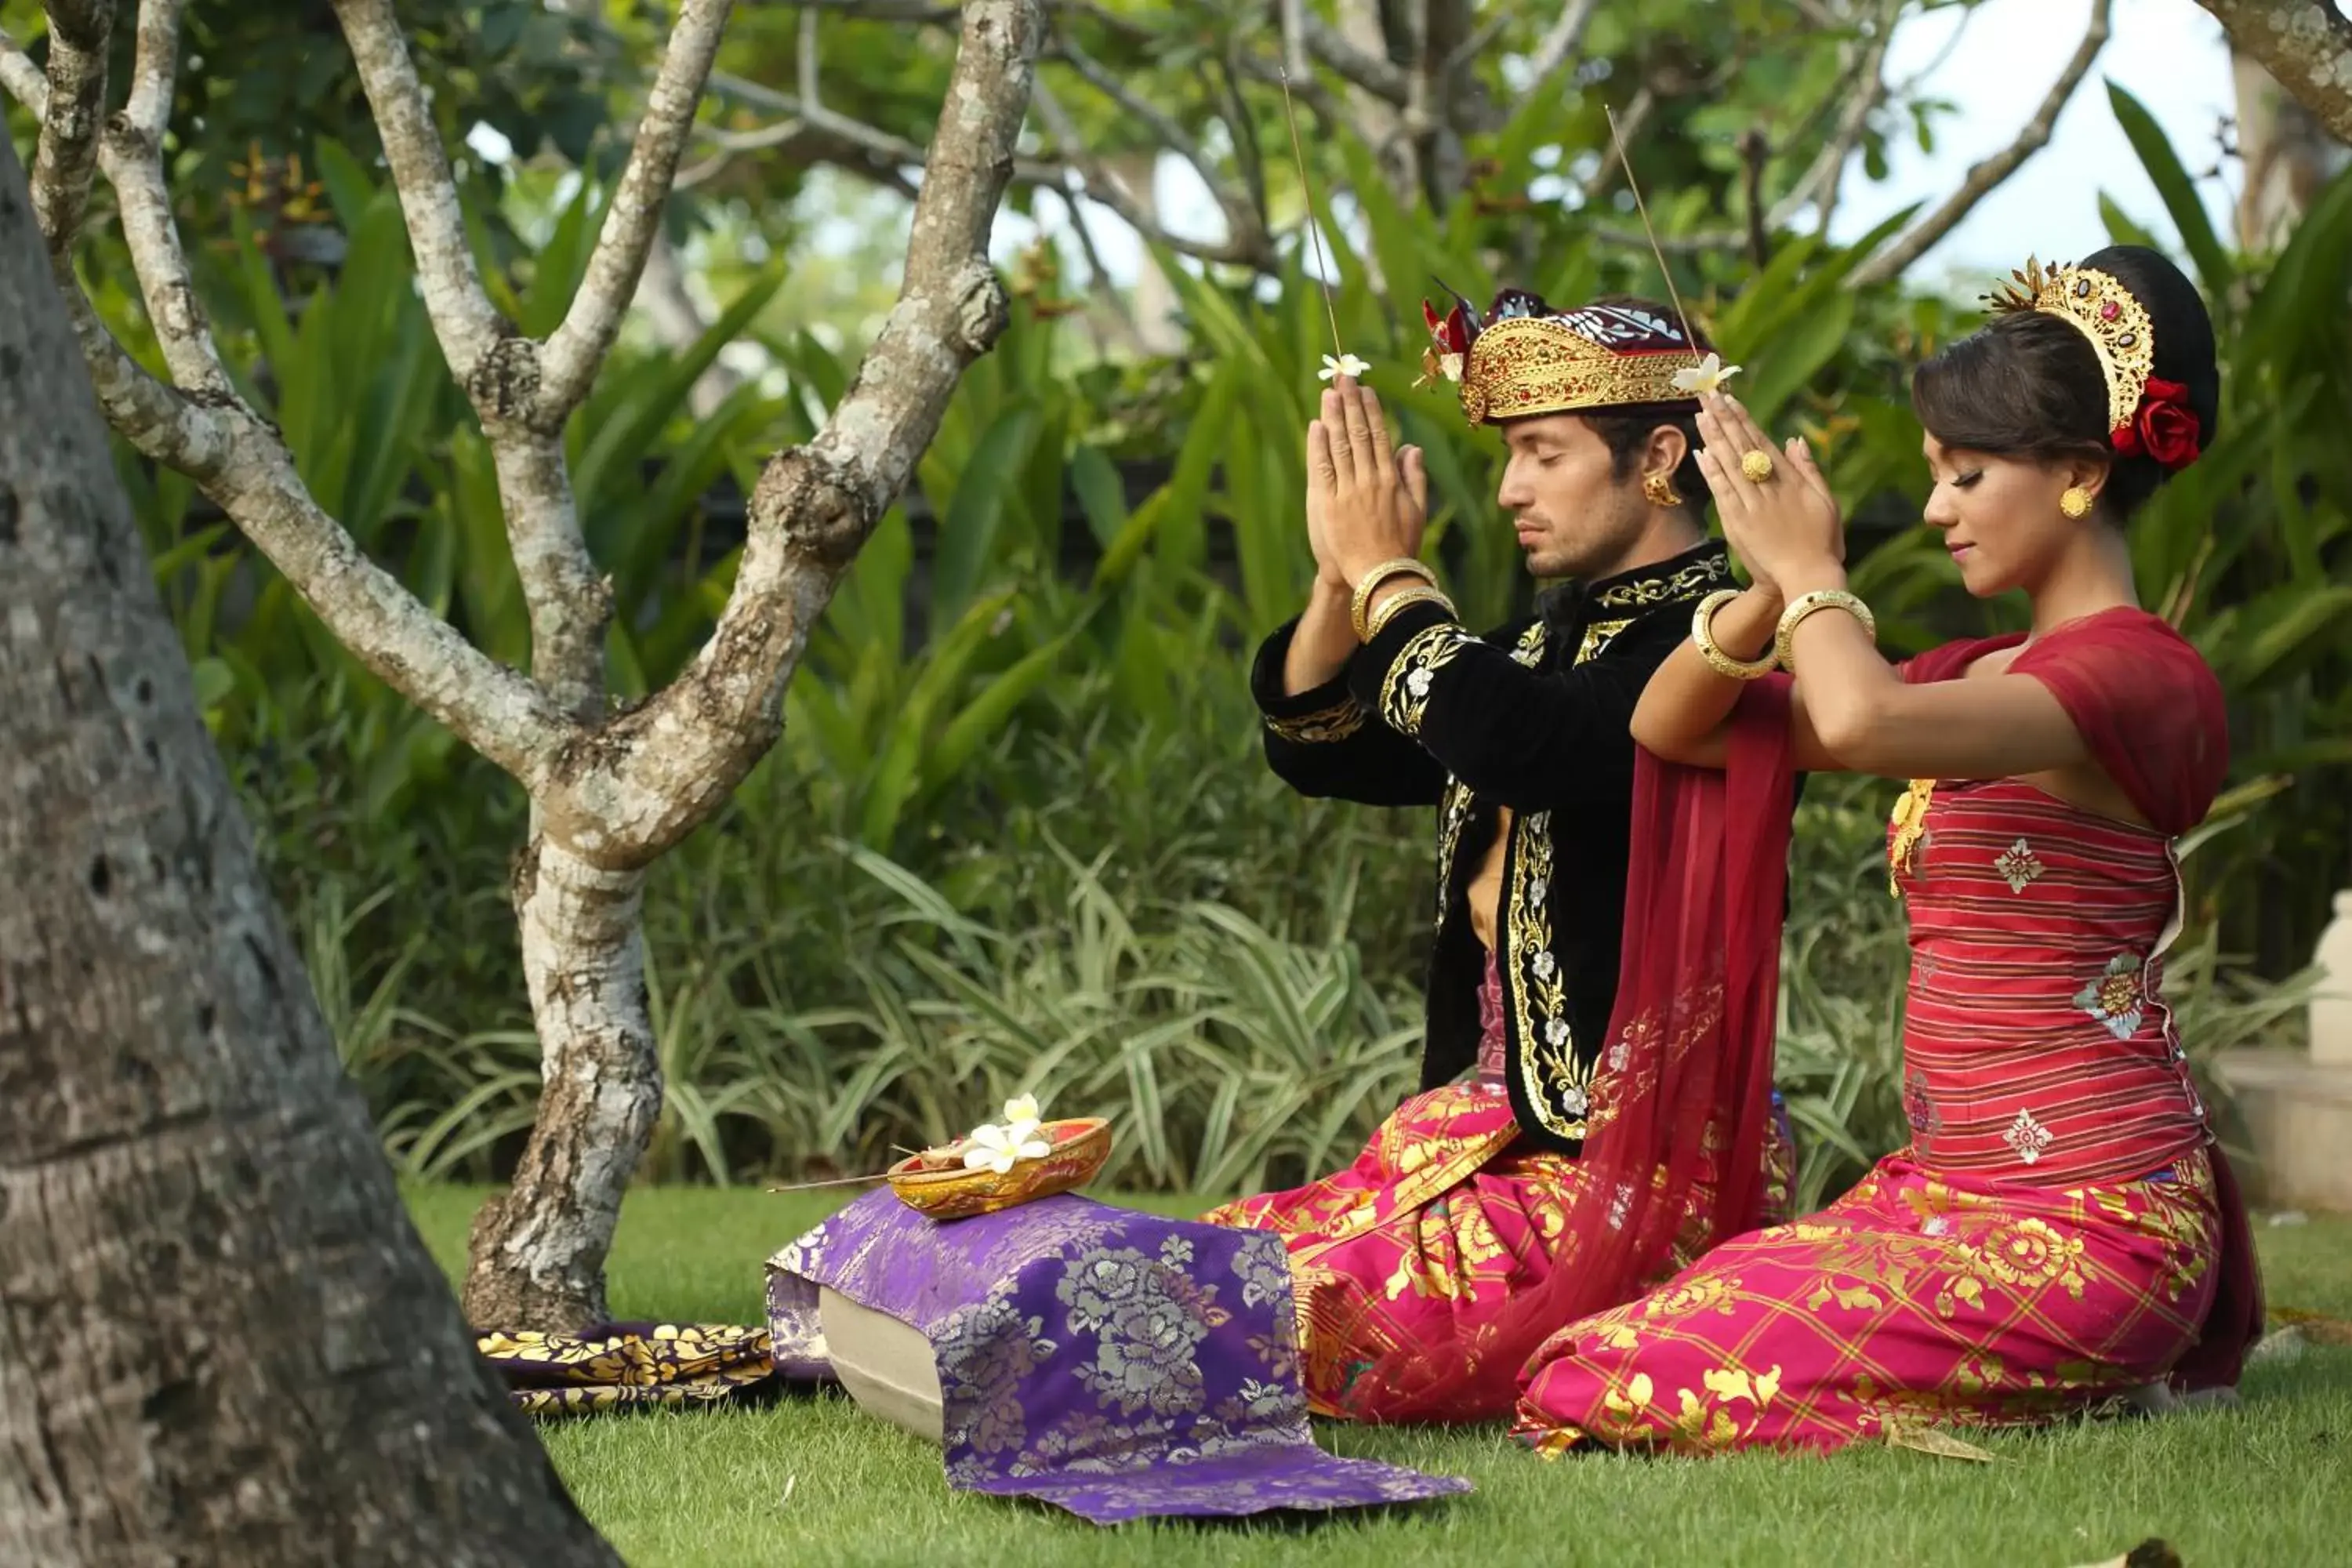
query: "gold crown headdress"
2099, 307
1528, 359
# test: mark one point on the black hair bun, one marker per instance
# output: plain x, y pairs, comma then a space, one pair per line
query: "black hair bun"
2185, 350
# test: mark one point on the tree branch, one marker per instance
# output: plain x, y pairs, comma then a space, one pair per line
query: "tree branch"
499, 712
66, 157
20, 78
1250, 248
154, 66
464, 320
2305, 45
157, 419
573, 355
1823, 181
1244, 225
684, 752
1358, 68
1557, 45
133, 155
242, 463
1984, 177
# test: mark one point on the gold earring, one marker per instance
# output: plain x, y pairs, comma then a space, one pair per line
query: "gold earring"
1660, 490
2075, 502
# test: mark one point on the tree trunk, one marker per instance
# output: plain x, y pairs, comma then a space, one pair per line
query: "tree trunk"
220, 1339
2287, 154
539, 1247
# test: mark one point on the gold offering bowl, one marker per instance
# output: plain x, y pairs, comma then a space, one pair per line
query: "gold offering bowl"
935, 1182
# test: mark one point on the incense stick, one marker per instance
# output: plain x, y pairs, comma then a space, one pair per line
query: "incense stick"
1625, 162
836, 1182
1314, 234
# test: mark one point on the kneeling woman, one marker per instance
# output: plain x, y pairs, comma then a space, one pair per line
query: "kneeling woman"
2062, 1228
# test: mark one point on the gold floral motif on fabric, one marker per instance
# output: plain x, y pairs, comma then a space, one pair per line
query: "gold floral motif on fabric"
1685, 583
1560, 1087
1905, 828
1599, 636
1452, 816
1404, 690
1336, 722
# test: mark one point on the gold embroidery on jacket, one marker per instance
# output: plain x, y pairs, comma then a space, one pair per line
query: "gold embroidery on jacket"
1336, 722
1682, 585
1560, 1088
1404, 690
1452, 816
1599, 636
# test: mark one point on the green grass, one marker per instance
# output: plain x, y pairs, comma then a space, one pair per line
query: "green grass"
814, 1481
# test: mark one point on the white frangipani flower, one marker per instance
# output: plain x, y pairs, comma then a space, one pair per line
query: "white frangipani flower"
1344, 364
998, 1148
1710, 375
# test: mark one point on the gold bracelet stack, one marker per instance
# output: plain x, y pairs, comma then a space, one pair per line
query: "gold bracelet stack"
1703, 638
1421, 594
1806, 604
1371, 583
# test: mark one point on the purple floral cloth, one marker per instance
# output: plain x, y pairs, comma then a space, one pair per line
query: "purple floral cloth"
1112, 1363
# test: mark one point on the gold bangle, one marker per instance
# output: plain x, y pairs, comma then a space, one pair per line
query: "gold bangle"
1703, 637
1783, 638
1377, 621
1373, 580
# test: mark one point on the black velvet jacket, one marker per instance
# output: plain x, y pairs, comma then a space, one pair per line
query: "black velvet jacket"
1535, 717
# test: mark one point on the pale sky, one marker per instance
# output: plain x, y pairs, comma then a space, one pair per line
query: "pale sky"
2169, 54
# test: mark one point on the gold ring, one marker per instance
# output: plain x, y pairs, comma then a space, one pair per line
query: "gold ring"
1757, 464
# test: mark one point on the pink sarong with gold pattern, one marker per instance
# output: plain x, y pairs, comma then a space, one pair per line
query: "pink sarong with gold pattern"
1434, 1227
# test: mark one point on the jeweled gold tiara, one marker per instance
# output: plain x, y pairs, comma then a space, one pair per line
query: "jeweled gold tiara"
2099, 307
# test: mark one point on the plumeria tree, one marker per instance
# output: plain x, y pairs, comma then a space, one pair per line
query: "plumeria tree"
610, 789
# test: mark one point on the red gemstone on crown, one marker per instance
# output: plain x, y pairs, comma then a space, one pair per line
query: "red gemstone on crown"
2108, 312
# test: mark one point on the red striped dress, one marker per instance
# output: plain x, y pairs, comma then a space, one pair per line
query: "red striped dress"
2059, 1230
2036, 1045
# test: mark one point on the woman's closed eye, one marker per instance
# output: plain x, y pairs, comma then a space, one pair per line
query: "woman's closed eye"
1963, 481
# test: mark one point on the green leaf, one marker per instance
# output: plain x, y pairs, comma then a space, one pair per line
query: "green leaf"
1794, 357
2179, 192
967, 532
2310, 621
1101, 494
620, 443
350, 187
2121, 229
214, 682
987, 713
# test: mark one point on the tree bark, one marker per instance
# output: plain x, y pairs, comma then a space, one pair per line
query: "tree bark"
221, 1342
2306, 45
539, 1247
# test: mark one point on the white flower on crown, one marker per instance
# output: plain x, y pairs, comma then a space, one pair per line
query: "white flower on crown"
1709, 375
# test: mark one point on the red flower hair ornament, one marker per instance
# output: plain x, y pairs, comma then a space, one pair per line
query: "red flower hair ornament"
2165, 428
